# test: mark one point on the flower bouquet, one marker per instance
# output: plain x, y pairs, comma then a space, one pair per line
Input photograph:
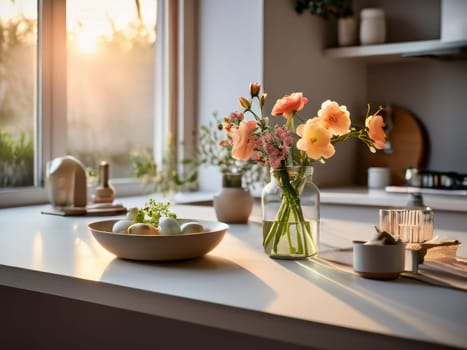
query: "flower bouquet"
290, 150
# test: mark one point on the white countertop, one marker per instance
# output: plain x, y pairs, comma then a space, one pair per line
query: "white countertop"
235, 287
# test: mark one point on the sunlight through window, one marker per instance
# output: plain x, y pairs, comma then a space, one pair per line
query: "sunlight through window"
110, 81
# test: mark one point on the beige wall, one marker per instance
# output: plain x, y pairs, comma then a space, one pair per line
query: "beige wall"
230, 57
436, 92
293, 61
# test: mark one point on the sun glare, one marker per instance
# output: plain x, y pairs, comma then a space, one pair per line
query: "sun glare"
88, 20
87, 42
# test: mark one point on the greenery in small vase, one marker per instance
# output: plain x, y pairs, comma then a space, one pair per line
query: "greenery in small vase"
326, 8
215, 149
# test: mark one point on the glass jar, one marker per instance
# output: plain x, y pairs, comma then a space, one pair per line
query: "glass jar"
290, 209
372, 26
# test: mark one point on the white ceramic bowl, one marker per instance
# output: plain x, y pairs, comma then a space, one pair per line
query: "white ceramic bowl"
378, 261
159, 247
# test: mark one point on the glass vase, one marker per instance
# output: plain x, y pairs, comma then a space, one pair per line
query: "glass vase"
290, 209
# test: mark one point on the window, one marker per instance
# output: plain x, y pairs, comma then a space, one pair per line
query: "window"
107, 86
18, 52
110, 81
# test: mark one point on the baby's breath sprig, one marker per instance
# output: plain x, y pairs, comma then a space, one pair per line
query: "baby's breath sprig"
153, 211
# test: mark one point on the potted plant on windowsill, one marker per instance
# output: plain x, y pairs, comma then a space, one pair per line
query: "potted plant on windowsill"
339, 9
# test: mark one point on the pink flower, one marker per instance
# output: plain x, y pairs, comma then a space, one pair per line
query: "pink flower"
289, 104
315, 139
334, 117
243, 141
236, 116
375, 124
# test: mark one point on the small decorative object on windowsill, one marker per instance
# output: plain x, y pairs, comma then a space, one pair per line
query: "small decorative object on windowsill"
347, 24
233, 203
105, 192
66, 182
291, 201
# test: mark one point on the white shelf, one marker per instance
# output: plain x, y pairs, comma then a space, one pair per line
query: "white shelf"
395, 51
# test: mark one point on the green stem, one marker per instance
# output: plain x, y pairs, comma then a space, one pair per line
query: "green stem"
290, 213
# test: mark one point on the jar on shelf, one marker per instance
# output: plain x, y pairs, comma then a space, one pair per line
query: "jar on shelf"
372, 26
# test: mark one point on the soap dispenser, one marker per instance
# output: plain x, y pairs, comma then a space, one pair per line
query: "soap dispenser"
105, 193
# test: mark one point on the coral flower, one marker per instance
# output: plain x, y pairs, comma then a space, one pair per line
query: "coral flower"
334, 117
375, 124
315, 139
243, 141
289, 104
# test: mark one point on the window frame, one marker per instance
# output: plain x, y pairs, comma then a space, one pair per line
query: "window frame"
175, 98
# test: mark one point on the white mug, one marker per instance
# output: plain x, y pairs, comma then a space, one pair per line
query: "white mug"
379, 178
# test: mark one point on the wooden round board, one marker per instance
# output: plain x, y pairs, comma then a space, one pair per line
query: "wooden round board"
409, 146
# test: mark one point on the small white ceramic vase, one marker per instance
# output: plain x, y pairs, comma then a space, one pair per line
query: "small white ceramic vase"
347, 31
233, 203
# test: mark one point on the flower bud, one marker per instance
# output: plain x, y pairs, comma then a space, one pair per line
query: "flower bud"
254, 89
244, 102
262, 100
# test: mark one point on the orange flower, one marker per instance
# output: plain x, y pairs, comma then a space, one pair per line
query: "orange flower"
334, 117
375, 124
289, 104
243, 141
315, 139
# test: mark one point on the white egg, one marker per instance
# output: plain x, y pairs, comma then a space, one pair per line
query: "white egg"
143, 229
131, 213
192, 227
169, 226
121, 226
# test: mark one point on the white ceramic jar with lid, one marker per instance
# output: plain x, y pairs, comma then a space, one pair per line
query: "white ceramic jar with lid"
372, 26
379, 178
